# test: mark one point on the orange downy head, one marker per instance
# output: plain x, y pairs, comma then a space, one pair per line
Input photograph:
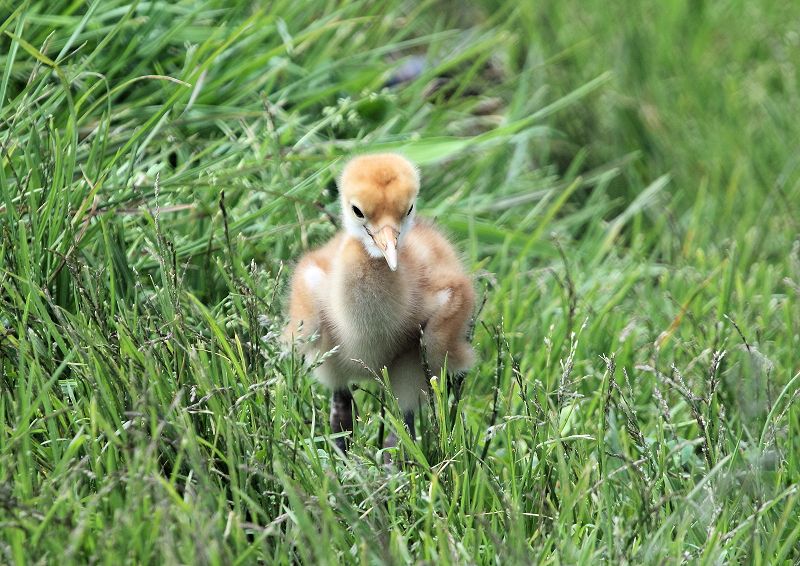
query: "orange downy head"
378, 192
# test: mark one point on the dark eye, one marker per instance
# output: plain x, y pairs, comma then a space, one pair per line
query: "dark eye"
409, 210
357, 212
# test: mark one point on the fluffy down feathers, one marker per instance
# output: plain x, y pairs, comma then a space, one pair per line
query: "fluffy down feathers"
372, 287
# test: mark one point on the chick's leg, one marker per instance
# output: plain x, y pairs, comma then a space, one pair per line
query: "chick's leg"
410, 388
407, 378
342, 415
391, 440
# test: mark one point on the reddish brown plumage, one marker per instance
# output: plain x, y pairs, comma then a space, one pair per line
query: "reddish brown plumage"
355, 294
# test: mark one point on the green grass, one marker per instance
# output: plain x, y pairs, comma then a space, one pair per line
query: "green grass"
624, 181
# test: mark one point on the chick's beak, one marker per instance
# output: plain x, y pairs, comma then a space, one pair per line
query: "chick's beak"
386, 240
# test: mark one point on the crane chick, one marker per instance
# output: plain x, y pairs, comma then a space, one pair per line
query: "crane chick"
374, 285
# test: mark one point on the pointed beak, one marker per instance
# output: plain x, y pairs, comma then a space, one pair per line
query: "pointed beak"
386, 240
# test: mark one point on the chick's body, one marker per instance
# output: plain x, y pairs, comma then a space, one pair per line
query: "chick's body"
371, 288
374, 315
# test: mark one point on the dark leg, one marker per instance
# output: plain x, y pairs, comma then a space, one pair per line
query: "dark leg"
408, 418
391, 441
456, 382
342, 415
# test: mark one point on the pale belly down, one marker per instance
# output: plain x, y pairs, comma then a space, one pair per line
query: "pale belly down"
373, 323
364, 349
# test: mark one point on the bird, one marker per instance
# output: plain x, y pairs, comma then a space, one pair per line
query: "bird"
387, 291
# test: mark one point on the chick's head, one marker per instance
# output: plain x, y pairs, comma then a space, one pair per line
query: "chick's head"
378, 192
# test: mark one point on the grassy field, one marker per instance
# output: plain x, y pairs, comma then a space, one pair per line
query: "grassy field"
624, 182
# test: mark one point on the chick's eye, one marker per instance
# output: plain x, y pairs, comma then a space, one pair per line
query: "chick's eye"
357, 212
410, 208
